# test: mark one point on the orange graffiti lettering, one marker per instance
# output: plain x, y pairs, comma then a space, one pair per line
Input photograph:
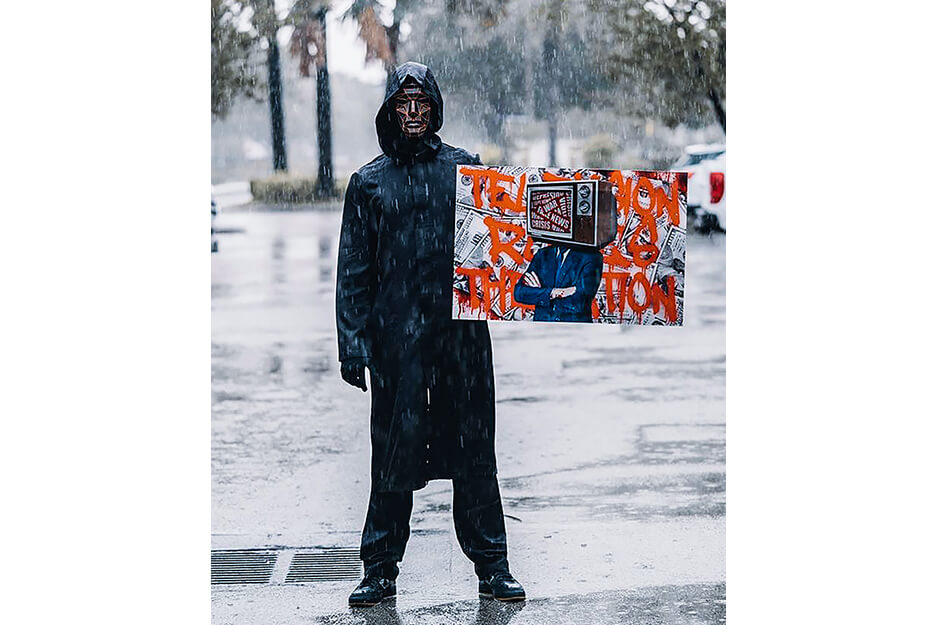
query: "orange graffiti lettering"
498, 195
515, 232
668, 300
616, 283
478, 280
671, 204
638, 280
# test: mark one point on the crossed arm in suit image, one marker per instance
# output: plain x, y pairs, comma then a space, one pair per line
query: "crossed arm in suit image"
561, 283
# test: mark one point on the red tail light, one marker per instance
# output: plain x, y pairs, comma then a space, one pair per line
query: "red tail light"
716, 187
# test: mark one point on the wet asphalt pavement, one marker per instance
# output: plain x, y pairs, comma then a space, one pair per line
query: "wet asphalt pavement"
610, 443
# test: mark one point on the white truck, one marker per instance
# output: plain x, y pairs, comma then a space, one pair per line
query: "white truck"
705, 165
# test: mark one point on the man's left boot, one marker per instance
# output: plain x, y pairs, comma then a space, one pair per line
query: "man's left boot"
501, 586
371, 591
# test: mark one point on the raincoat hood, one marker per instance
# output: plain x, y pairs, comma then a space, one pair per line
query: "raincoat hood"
390, 137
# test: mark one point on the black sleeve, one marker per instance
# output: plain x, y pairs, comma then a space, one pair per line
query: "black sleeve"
356, 273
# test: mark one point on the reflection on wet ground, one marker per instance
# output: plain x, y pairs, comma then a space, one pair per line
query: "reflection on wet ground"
605, 435
684, 605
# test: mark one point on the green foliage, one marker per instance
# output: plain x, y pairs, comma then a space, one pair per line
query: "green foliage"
232, 48
504, 58
565, 72
484, 75
477, 55
667, 58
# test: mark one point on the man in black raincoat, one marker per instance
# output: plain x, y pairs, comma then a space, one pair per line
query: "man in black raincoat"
433, 388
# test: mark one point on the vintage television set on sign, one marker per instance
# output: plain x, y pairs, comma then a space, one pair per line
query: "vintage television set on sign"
577, 213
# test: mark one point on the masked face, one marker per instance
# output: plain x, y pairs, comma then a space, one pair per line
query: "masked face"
413, 111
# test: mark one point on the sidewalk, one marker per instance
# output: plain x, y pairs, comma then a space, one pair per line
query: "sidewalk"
610, 443
682, 605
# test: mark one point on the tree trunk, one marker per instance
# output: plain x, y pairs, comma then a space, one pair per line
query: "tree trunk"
552, 140
493, 124
325, 182
717, 107
275, 92
394, 36
711, 92
549, 87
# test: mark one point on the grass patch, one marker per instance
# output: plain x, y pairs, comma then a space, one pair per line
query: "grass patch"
287, 188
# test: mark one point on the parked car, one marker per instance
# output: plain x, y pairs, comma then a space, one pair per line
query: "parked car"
706, 185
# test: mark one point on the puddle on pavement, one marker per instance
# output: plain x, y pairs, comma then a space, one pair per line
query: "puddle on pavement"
678, 433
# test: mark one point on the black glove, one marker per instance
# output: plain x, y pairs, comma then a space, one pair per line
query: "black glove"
353, 372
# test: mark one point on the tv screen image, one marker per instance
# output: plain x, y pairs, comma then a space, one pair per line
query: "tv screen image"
551, 217
551, 211
522, 232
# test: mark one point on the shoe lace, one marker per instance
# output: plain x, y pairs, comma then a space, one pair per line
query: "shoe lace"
501, 576
375, 580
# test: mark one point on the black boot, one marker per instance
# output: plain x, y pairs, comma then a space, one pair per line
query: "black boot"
371, 591
502, 586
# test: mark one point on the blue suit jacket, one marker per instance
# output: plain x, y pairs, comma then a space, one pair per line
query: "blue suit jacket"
582, 269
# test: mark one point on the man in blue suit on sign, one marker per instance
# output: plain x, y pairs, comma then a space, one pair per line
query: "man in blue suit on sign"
560, 283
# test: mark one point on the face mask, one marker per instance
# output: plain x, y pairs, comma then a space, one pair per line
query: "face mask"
413, 111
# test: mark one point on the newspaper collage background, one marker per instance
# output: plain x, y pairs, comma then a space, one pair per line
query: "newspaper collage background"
643, 268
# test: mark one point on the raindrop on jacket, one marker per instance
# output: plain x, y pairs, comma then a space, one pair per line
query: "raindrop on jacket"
432, 383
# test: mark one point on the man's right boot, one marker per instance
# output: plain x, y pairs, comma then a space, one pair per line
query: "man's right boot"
501, 586
371, 591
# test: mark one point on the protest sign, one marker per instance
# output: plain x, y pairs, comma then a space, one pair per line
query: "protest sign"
589, 245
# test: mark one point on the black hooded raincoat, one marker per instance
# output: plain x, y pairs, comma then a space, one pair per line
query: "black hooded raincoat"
433, 389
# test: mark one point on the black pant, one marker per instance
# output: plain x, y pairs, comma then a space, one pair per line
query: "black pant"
477, 515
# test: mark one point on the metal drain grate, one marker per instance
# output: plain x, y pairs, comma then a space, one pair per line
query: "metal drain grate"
325, 566
242, 567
